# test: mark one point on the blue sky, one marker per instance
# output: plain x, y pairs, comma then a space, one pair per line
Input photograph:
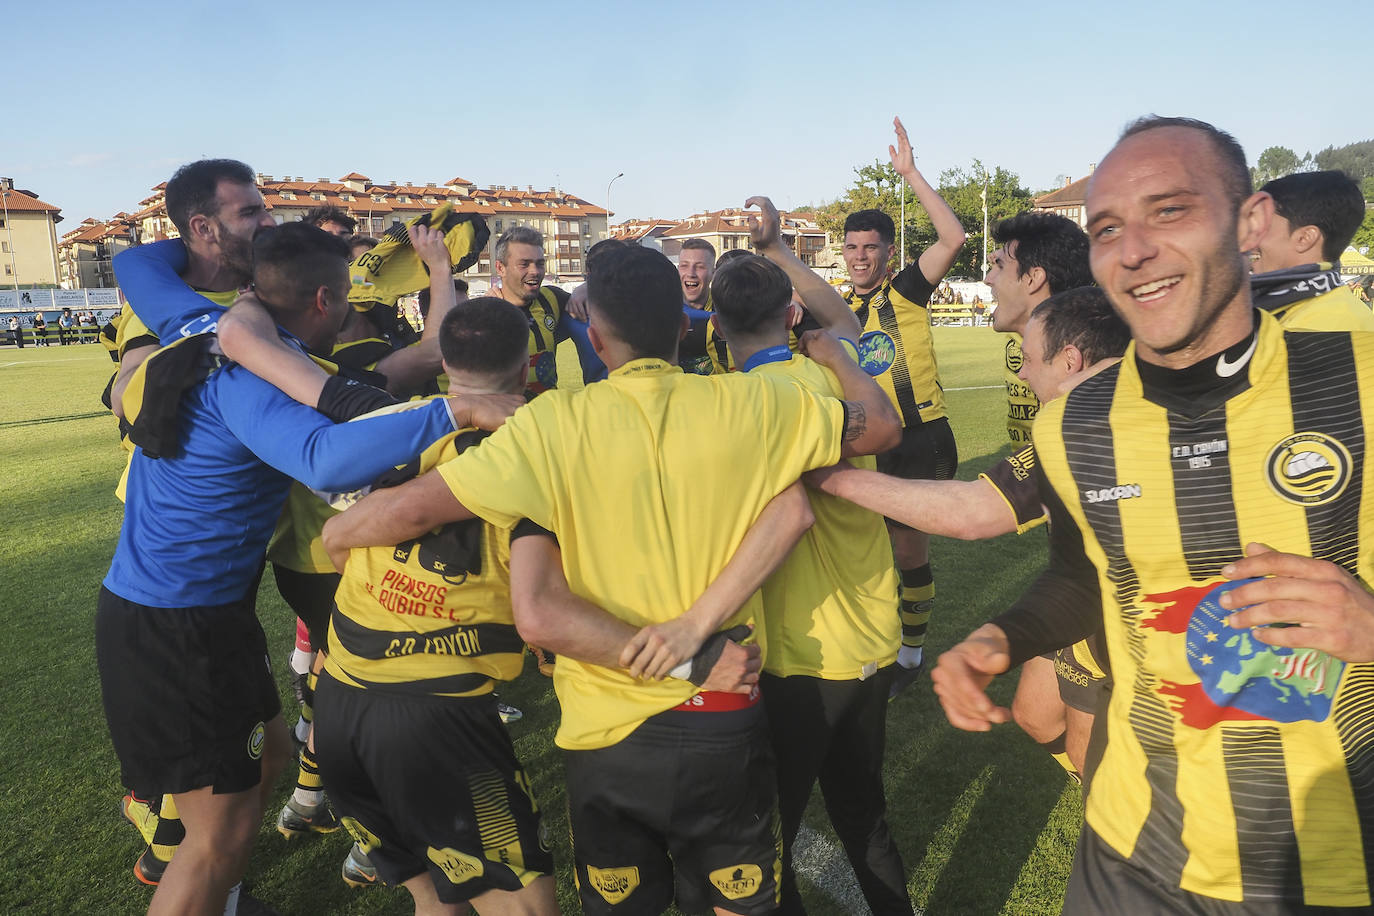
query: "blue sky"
700, 104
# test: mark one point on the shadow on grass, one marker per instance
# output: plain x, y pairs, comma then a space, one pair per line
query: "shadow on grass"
39, 421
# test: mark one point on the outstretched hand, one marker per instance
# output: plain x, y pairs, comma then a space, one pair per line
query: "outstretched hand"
1324, 606
962, 676
903, 159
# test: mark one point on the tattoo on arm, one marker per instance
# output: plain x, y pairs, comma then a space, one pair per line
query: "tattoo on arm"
856, 420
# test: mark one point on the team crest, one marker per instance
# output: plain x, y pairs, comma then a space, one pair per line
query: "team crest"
256, 738
1014, 358
458, 867
1309, 469
1240, 679
737, 882
545, 366
613, 884
549, 322
877, 352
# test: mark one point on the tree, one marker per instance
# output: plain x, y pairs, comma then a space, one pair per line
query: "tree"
1364, 236
1275, 162
1367, 188
878, 186
1355, 159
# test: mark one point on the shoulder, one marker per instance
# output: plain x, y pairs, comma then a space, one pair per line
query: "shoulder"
913, 285
560, 295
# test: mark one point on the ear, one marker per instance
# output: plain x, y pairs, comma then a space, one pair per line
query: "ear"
321, 304
1073, 358
598, 345
1256, 213
1309, 238
1034, 280
891, 252
201, 228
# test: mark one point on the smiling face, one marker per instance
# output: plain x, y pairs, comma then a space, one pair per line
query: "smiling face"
522, 273
1166, 245
866, 256
695, 267
1009, 290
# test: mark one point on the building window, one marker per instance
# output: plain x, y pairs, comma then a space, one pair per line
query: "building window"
586, 227
4, 246
9, 271
498, 225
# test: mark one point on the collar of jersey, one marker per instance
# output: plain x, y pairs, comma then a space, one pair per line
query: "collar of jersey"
774, 354
649, 365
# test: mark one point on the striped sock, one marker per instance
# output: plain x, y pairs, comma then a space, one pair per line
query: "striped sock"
1056, 749
168, 832
309, 787
918, 599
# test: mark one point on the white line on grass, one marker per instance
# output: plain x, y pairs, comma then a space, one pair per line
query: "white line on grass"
40, 362
824, 865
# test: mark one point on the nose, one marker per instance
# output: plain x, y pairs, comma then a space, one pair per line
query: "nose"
1135, 246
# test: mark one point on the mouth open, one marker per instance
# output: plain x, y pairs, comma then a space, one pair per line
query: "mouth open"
1154, 290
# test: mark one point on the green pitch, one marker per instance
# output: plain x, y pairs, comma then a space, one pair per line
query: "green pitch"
986, 823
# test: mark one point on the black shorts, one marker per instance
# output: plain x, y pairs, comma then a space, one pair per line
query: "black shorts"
927, 452
311, 597
1082, 674
188, 693
429, 783
685, 806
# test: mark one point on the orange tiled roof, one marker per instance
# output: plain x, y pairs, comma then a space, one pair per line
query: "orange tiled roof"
28, 202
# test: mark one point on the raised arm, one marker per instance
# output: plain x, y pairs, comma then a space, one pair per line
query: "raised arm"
248, 336
657, 649
936, 260
408, 368
873, 425
822, 300
150, 276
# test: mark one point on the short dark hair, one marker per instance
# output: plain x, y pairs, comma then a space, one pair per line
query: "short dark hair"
293, 260
486, 335
699, 245
728, 256
318, 216
748, 292
599, 251
871, 221
365, 240
191, 190
1329, 200
518, 235
1085, 318
1234, 171
638, 293
459, 286
1051, 242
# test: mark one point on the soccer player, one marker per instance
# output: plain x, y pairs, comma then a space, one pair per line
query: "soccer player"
1038, 254
189, 699
830, 612
1296, 268
1068, 338
1214, 487
898, 350
334, 220
669, 788
696, 264
519, 256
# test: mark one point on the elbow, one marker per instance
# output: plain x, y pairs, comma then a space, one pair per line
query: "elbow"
531, 621
887, 429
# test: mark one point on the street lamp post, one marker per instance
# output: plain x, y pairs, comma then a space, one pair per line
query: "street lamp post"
9, 231
608, 202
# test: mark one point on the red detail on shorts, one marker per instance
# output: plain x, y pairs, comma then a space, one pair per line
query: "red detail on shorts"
1198, 710
302, 636
715, 701
1181, 603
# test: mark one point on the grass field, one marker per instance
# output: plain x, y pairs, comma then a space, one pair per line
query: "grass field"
986, 823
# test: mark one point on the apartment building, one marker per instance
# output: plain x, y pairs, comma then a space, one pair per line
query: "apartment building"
28, 237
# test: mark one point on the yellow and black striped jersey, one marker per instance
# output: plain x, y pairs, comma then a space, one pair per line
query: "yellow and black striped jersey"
431, 615
1014, 480
1337, 310
1234, 769
543, 314
1021, 401
897, 348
